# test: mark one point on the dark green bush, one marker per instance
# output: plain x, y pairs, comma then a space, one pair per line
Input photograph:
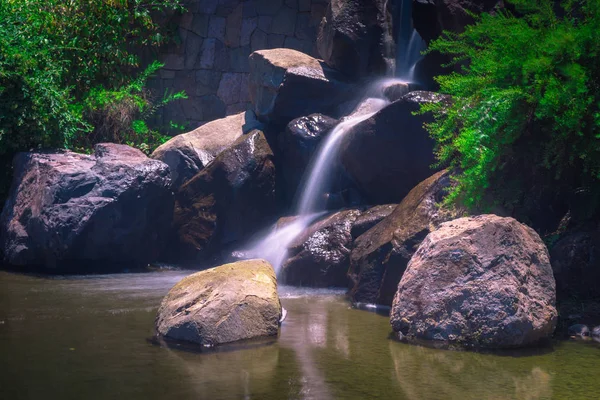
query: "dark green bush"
526, 102
67, 70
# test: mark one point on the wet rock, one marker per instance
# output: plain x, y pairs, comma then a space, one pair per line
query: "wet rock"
298, 144
391, 146
481, 281
579, 330
232, 197
75, 212
371, 217
188, 153
320, 256
431, 17
381, 254
221, 305
286, 84
355, 36
576, 264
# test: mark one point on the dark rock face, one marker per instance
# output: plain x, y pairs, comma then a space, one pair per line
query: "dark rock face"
432, 17
222, 305
381, 254
320, 257
579, 330
74, 211
481, 281
355, 36
229, 199
188, 153
576, 264
286, 84
391, 146
298, 144
371, 217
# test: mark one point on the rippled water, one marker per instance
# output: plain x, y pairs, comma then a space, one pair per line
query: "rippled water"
87, 338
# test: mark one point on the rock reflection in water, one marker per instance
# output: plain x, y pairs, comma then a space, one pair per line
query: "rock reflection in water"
425, 373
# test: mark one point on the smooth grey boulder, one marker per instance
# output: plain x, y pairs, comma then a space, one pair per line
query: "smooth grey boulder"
391, 146
355, 37
483, 281
231, 198
77, 212
286, 84
221, 305
380, 255
188, 153
320, 256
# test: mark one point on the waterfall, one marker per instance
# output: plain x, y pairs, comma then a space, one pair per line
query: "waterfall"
409, 43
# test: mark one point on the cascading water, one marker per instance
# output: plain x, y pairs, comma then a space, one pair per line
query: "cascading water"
312, 202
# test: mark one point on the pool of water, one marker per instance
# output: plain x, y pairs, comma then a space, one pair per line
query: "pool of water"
88, 337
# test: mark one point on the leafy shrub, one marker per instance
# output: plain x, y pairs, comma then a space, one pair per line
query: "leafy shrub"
526, 100
66, 72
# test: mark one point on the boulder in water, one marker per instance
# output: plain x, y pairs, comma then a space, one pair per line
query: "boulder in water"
188, 153
380, 255
355, 37
286, 84
320, 256
231, 198
75, 212
391, 146
371, 217
221, 305
483, 281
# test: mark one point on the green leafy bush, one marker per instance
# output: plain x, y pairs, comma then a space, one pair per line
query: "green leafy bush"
526, 101
66, 71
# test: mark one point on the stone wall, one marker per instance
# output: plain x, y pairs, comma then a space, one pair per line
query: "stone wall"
214, 39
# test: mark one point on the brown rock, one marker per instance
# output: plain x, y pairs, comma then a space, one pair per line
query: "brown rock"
483, 281
221, 305
381, 254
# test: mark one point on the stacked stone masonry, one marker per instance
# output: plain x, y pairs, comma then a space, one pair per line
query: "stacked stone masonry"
209, 59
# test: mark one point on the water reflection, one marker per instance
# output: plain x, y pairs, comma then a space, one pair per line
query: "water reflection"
425, 373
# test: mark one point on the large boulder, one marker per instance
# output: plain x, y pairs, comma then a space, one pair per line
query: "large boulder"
355, 37
432, 17
286, 84
576, 264
297, 145
188, 153
320, 256
229, 199
371, 217
381, 254
483, 281
391, 146
221, 305
74, 211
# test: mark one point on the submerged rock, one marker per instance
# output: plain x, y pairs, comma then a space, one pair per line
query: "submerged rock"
391, 146
579, 330
74, 211
355, 37
380, 255
287, 84
221, 305
320, 256
232, 197
188, 153
297, 145
482, 281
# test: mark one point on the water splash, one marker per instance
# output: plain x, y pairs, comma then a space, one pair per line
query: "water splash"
409, 43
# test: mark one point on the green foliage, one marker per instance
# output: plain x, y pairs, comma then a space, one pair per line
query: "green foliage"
65, 64
526, 91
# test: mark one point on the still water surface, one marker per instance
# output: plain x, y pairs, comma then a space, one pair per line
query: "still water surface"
87, 338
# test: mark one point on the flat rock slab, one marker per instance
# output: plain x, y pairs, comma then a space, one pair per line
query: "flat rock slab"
221, 305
